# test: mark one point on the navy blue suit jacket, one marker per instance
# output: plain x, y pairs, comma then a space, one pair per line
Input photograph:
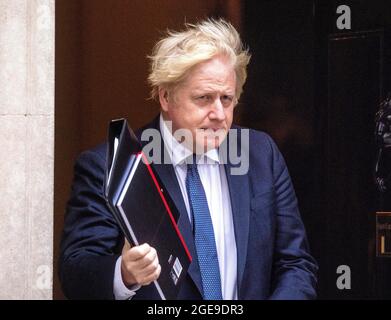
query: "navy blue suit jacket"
273, 259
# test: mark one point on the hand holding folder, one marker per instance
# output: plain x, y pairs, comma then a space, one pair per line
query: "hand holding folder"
142, 207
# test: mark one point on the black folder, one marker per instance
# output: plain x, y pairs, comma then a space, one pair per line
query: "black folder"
142, 207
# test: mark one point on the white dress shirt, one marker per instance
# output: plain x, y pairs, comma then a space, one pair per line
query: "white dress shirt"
214, 181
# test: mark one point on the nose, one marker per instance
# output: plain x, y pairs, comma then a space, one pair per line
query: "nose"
217, 112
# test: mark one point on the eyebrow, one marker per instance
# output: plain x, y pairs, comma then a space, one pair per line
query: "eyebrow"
209, 90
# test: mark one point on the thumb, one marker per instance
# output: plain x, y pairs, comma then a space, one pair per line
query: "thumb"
127, 245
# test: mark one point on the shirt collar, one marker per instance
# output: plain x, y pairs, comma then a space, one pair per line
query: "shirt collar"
179, 153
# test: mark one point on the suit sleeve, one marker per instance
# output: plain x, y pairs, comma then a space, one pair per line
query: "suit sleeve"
294, 269
91, 240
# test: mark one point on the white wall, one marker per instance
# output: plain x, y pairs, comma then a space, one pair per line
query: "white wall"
26, 148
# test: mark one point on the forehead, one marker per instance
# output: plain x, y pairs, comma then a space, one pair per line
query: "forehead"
216, 73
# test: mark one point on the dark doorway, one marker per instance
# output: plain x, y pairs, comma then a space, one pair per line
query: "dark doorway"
315, 89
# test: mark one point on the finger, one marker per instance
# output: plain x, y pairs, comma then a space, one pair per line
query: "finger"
151, 268
152, 277
138, 252
127, 245
143, 267
145, 276
148, 259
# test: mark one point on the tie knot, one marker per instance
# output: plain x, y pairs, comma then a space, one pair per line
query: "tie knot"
192, 163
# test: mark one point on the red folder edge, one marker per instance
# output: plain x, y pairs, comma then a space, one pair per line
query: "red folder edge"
166, 205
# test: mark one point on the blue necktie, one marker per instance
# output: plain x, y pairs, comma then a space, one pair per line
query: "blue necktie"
203, 235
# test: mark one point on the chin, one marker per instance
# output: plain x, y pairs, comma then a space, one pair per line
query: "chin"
211, 144
205, 142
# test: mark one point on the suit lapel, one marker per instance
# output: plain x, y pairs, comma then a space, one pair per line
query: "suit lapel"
240, 203
168, 177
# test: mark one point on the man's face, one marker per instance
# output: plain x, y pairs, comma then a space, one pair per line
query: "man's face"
203, 103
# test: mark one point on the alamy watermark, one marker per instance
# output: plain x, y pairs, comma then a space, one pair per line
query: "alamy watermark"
44, 277
232, 146
344, 20
344, 281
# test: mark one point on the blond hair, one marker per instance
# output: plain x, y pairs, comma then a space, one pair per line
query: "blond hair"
174, 55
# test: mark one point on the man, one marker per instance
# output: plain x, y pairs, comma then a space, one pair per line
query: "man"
243, 229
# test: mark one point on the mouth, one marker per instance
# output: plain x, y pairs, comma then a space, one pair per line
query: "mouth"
211, 137
214, 129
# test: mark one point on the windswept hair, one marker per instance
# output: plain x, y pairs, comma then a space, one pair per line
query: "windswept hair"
178, 52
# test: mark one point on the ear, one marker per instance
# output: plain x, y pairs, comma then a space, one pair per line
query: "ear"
163, 99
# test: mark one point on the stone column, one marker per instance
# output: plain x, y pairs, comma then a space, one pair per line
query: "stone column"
26, 148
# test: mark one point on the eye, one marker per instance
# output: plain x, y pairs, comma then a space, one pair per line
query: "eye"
203, 99
227, 99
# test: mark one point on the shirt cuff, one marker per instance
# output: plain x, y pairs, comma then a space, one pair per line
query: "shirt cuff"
121, 291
